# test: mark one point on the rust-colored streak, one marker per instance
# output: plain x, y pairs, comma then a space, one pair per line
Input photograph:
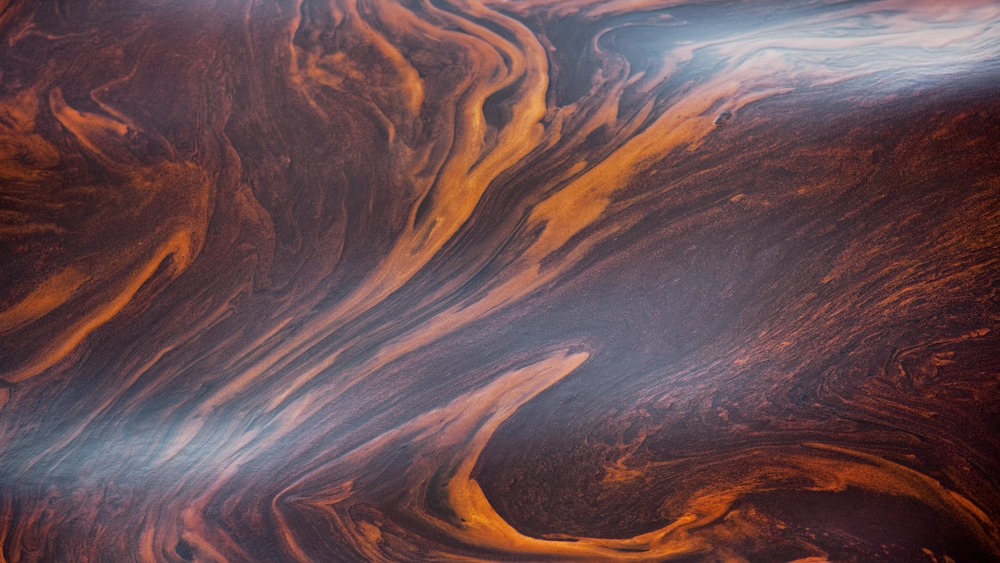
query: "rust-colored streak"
535, 280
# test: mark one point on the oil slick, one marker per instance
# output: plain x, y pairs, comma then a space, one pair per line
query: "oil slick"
577, 280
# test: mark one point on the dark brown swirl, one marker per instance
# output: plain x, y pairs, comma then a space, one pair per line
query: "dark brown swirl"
449, 280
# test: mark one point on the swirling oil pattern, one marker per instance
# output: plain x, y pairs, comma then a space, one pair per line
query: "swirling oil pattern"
499, 280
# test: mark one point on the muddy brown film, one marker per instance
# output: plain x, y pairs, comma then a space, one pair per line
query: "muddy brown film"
498, 280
